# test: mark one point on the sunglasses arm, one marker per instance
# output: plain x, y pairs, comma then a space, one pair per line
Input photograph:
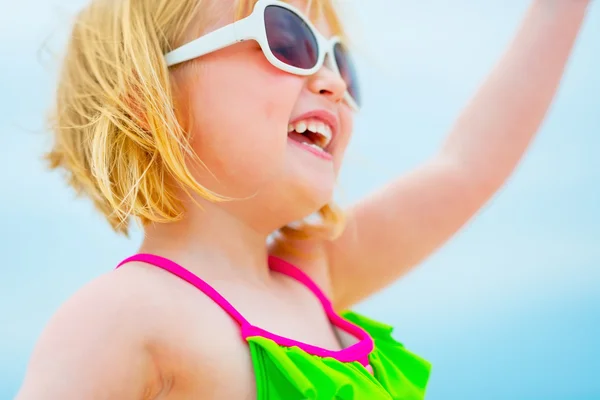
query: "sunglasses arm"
213, 41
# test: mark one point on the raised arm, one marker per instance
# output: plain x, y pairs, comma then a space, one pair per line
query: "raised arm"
399, 226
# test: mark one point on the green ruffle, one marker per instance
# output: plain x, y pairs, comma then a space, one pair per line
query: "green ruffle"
290, 373
402, 373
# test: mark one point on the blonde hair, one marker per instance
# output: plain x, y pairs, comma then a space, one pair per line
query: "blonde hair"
116, 133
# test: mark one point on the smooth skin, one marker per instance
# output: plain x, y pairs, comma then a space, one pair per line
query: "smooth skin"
140, 333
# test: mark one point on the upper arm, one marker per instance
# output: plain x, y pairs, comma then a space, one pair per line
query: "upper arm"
90, 350
394, 229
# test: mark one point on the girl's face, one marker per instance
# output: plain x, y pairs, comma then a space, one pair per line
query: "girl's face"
241, 107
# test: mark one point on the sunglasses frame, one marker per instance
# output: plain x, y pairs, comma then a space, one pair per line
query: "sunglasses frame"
253, 27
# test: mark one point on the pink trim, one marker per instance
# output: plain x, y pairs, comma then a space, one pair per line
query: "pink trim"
357, 352
178, 270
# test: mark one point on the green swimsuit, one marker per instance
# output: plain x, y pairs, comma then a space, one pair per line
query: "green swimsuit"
373, 366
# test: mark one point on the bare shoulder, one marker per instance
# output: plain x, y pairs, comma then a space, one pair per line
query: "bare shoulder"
99, 339
126, 334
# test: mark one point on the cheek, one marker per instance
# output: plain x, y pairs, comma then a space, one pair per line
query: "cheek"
240, 117
347, 126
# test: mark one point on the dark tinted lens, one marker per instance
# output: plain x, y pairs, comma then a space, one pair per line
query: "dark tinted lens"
348, 71
290, 39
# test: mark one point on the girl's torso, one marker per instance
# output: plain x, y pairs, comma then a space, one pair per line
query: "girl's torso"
202, 348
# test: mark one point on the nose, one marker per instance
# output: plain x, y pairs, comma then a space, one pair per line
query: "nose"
326, 82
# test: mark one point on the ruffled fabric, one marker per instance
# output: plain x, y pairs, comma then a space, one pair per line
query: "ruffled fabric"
402, 373
292, 374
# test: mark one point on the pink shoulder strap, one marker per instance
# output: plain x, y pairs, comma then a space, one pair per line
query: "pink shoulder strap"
283, 267
178, 270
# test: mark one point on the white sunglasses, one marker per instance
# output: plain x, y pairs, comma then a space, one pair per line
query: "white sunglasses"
288, 40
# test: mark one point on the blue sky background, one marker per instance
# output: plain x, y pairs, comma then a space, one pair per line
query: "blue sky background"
509, 309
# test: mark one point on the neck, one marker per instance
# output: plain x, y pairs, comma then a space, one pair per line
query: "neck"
211, 241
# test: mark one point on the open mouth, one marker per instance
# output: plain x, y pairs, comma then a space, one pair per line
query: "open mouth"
312, 133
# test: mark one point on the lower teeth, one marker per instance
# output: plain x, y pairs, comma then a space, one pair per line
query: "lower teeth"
314, 146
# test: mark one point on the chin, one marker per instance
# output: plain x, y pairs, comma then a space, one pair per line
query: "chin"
309, 179
309, 196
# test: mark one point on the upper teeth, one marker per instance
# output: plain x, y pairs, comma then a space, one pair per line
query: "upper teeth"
315, 126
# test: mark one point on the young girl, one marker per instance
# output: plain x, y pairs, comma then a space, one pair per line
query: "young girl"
217, 123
